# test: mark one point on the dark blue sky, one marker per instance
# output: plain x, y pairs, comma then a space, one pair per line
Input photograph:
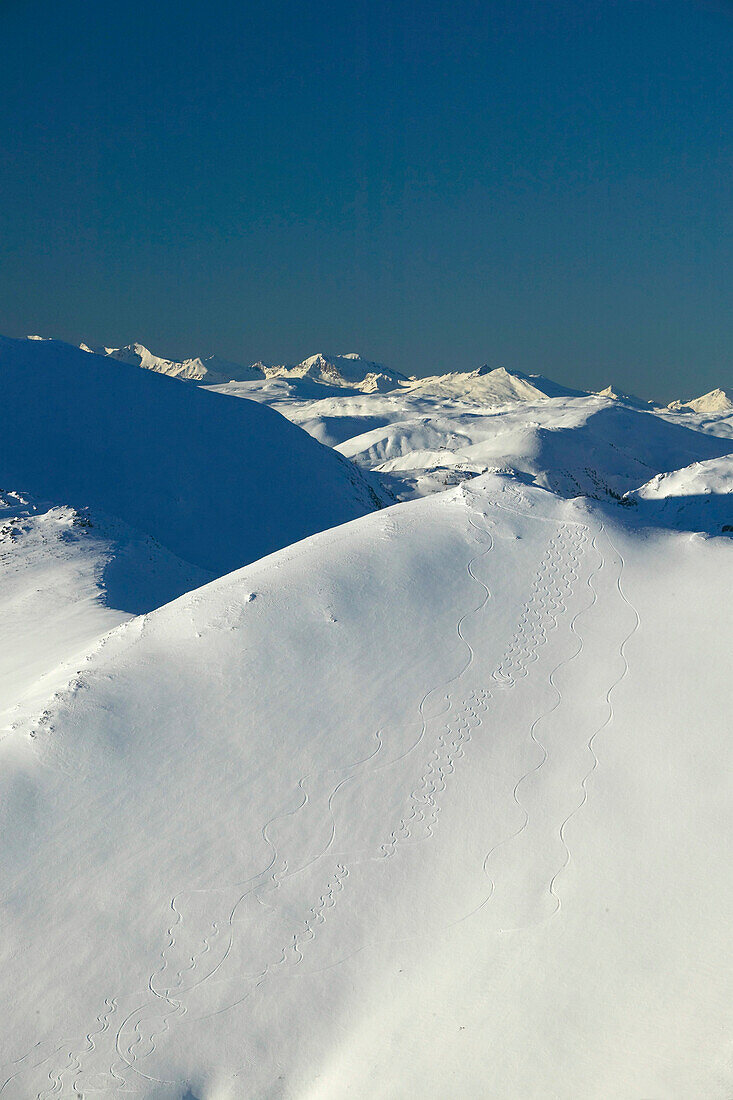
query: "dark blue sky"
540, 184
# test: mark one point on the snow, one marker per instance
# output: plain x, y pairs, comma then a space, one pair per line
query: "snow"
218, 482
490, 387
586, 445
716, 401
429, 803
212, 370
627, 398
348, 371
696, 498
67, 579
430, 433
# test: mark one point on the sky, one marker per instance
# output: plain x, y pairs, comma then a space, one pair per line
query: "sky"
543, 185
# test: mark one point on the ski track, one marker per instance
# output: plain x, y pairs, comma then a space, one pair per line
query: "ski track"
127, 1055
539, 616
532, 735
604, 725
56, 1078
24, 1069
335, 885
522, 653
433, 780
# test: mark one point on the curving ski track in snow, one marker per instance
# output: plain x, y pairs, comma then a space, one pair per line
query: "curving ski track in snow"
604, 725
139, 1046
135, 1040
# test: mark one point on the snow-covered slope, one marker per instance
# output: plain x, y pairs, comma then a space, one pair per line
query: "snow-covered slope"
696, 498
336, 415
67, 577
219, 482
429, 802
464, 852
418, 442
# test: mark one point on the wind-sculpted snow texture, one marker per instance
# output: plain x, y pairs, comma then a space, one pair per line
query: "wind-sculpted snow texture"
432, 803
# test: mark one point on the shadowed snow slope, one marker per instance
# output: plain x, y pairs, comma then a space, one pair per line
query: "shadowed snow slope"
477, 848
219, 482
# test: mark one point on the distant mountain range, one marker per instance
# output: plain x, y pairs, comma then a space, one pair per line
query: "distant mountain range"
350, 370
494, 386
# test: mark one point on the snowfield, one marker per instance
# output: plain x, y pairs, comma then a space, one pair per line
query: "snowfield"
308, 794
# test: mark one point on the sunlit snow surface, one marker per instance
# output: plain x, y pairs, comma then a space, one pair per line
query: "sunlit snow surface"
433, 803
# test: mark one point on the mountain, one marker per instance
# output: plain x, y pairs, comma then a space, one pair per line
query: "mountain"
574, 447
484, 385
625, 398
713, 402
490, 387
218, 481
212, 370
350, 371
698, 497
433, 775
423, 801
423, 439
343, 371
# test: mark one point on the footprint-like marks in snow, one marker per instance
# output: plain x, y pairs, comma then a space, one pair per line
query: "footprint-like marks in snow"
170, 982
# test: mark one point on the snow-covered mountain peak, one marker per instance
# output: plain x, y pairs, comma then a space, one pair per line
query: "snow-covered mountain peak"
718, 400
316, 360
212, 370
491, 386
615, 394
347, 371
